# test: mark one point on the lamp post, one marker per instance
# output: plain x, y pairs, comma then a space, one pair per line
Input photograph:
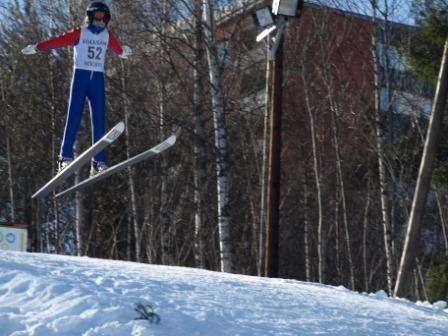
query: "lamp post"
274, 21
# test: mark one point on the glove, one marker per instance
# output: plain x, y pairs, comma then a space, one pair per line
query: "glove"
127, 52
29, 50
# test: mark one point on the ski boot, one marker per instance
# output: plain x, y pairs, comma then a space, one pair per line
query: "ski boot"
97, 168
63, 163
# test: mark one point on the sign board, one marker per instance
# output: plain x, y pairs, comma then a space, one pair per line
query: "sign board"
13, 239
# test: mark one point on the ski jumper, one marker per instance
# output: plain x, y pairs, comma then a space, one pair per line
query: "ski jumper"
90, 45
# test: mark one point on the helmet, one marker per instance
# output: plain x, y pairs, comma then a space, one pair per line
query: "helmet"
98, 6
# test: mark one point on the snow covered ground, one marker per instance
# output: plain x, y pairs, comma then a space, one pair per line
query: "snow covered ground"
43, 295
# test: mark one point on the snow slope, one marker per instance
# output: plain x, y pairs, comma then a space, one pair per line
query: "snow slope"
46, 295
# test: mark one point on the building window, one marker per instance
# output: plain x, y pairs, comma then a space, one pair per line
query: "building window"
405, 103
391, 56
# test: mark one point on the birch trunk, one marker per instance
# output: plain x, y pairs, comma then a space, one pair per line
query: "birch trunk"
364, 238
83, 219
200, 150
221, 145
422, 279
54, 154
442, 221
78, 206
334, 111
317, 179
40, 241
342, 193
129, 237
10, 179
306, 226
9, 159
165, 217
337, 233
148, 231
164, 214
131, 181
416, 285
130, 170
381, 164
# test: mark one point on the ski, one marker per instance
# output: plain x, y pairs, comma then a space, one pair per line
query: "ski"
156, 150
81, 160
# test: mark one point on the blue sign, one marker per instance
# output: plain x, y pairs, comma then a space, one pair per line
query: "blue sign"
10, 238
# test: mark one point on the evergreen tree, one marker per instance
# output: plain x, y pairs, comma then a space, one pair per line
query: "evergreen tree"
437, 286
427, 47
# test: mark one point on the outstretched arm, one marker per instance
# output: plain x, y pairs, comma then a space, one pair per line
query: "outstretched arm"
66, 39
114, 45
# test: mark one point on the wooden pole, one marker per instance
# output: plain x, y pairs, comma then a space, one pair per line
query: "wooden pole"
274, 164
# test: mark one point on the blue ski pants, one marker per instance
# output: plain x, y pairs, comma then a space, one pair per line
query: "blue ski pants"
90, 85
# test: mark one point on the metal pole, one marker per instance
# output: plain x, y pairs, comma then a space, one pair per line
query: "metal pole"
275, 147
261, 243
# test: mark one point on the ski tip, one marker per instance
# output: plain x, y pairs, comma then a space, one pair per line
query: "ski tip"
173, 138
115, 132
120, 126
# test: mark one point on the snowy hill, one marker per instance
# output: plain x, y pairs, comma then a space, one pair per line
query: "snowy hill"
43, 295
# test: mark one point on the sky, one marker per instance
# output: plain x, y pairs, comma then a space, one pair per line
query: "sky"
399, 8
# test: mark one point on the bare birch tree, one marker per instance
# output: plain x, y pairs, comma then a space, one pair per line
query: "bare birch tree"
221, 145
380, 138
200, 169
321, 239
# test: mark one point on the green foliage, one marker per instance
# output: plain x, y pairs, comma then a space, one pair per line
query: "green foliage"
426, 49
440, 176
437, 285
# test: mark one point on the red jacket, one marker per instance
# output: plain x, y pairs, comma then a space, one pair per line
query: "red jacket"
71, 38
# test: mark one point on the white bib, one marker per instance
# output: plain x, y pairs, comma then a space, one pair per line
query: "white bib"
90, 52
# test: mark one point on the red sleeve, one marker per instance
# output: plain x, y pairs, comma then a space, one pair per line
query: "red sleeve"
114, 44
66, 39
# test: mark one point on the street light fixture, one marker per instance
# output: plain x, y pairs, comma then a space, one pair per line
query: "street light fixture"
263, 17
290, 8
282, 10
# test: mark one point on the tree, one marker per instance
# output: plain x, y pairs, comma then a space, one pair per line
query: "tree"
435, 30
426, 49
221, 145
437, 286
424, 179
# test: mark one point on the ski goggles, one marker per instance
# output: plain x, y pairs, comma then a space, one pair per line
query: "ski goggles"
100, 16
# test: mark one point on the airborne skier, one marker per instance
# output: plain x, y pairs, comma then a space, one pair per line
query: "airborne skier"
90, 42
